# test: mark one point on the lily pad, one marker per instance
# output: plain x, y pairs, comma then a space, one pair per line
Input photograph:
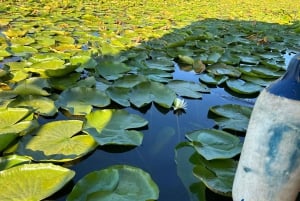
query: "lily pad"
58, 141
80, 100
223, 69
231, 116
51, 68
39, 104
215, 144
119, 182
115, 127
217, 175
146, 92
33, 181
242, 87
209, 78
12, 160
111, 70
188, 89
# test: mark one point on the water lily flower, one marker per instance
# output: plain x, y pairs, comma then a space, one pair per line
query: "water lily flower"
179, 104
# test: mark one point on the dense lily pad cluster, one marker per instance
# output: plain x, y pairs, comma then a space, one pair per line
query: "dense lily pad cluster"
88, 60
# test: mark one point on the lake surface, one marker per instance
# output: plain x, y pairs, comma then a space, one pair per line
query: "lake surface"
156, 155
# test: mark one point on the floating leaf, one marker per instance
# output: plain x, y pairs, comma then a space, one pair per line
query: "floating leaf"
20, 50
33, 181
12, 160
51, 68
146, 92
234, 117
111, 70
242, 87
223, 69
187, 89
119, 182
120, 95
217, 174
213, 58
115, 127
209, 78
80, 100
58, 141
215, 144
129, 81
41, 105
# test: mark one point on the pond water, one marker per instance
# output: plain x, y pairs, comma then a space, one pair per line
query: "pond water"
156, 155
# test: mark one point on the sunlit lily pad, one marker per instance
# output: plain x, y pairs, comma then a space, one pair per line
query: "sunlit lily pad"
16, 121
215, 144
20, 50
231, 116
119, 182
242, 87
51, 68
39, 104
58, 141
146, 92
188, 89
80, 100
33, 181
115, 127
12, 160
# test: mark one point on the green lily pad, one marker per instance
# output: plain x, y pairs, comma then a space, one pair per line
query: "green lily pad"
212, 79
217, 175
231, 116
215, 144
51, 68
20, 50
32, 86
187, 89
146, 92
58, 141
39, 104
80, 100
242, 87
119, 182
9, 161
22, 41
223, 69
16, 121
33, 181
115, 127
119, 95
111, 70
129, 81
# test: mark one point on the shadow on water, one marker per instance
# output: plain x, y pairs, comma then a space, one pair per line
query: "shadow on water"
166, 129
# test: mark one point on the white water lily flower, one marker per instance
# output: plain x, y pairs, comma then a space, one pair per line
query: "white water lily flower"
179, 104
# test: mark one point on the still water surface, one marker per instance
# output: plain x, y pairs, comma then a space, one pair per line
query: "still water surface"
156, 155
